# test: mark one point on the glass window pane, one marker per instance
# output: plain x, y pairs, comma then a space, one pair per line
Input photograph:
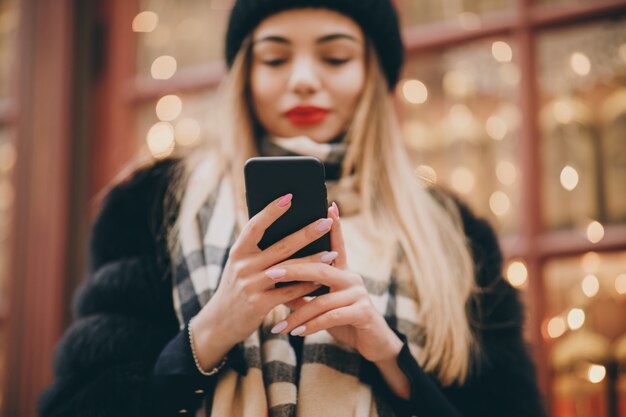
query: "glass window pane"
174, 122
583, 123
461, 123
8, 26
173, 35
585, 331
462, 13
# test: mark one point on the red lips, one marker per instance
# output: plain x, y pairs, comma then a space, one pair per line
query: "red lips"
306, 115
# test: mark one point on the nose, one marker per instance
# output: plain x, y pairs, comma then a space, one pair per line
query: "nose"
304, 79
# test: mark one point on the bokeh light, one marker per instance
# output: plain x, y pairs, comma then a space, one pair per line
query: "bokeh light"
145, 22
517, 274
590, 285
169, 107
575, 318
163, 67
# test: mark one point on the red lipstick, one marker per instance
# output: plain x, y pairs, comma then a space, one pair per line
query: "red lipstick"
306, 115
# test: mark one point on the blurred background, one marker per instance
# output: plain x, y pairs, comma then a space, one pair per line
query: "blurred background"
517, 105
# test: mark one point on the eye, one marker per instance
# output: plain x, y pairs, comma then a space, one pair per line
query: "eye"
274, 62
336, 61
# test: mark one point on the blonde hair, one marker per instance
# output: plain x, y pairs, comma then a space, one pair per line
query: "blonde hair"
394, 201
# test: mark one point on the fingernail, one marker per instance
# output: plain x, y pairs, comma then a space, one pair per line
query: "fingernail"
329, 256
275, 273
284, 200
334, 205
279, 327
324, 225
298, 330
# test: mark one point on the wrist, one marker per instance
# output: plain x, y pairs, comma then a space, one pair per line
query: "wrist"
209, 342
390, 353
389, 369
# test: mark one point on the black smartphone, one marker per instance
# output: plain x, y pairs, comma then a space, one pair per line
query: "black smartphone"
270, 177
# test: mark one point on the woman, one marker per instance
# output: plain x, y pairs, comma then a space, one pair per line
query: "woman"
180, 313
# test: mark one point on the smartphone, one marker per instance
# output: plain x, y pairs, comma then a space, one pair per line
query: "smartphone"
268, 178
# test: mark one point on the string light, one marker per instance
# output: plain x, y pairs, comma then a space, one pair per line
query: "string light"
506, 172
163, 67
569, 178
462, 180
595, 232
169, 107
187, 132
145, 22
580, 63
160, 139
575, 318
457, 83
517, 274
590, 285
556, 327
501, 51
499, 203
415, 91
496, 127
563, 112
596, 373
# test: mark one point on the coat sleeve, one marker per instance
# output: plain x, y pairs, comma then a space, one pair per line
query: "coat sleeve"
124, 317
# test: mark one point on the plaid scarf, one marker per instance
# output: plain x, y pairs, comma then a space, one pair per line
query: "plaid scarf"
327, 383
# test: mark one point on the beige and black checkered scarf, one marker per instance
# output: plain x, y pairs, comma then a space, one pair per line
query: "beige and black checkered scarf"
328, 382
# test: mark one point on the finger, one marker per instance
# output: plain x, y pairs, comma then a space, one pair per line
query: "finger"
253, 231
334, 278
294, 305
286, 294
289, 245
325, 256
260, 282
318, 306
336, 238
342, 316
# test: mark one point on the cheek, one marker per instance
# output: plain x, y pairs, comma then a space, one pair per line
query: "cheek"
347, 88
264, 88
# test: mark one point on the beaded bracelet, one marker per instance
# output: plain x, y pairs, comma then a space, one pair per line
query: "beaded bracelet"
195, 357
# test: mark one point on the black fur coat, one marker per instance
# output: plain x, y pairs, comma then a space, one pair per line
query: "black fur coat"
104, 364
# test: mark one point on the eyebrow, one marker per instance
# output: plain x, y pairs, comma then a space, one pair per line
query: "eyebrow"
323, 39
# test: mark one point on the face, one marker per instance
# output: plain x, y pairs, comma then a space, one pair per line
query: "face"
307, 73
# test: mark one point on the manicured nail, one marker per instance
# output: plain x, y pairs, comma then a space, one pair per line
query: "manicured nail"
334, 206
284, 200
298, 330
276, 273
324, 225
329, 256
279, 327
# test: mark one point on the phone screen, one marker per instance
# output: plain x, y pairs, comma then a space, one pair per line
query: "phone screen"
268, 178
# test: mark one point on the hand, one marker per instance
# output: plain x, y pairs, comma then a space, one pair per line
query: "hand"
346, 312
246, 294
